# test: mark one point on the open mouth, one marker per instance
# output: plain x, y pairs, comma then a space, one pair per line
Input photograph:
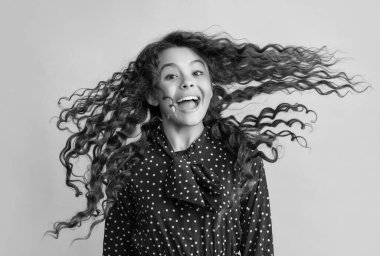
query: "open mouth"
188, 102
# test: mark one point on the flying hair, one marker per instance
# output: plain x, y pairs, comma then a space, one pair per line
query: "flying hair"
113, 120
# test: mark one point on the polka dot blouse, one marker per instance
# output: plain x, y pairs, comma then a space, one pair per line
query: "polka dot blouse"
172, 202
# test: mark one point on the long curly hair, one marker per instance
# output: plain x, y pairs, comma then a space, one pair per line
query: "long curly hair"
113, 120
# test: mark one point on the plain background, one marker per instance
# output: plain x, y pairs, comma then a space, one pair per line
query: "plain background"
325, 201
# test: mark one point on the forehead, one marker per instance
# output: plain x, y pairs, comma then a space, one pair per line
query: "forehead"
178, 55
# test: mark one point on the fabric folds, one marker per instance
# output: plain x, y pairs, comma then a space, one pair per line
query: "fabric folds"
187, 181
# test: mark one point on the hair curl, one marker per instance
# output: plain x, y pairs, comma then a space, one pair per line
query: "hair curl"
108, 117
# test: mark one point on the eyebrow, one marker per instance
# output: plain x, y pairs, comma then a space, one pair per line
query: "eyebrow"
173, 64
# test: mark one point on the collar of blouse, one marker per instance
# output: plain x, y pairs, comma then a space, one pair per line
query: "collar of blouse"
187, 179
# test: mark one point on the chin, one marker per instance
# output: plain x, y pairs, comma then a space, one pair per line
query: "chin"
182, 119
189, 123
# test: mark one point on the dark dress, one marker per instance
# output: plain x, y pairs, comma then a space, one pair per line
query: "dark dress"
171, 204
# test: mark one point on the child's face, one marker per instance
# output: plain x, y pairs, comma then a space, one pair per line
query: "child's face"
185, 87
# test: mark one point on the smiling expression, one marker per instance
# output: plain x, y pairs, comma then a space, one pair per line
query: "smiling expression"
184, 87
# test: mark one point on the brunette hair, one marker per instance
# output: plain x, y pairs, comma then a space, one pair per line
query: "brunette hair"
108, 118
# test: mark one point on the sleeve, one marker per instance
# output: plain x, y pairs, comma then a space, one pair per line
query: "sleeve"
118, 228
255, 218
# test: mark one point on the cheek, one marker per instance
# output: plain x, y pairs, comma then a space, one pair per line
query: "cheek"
209, 92
166, 89
165, 102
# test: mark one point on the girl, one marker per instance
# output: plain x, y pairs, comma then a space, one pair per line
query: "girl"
171, 175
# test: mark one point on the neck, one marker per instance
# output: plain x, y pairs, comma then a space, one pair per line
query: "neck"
181, 138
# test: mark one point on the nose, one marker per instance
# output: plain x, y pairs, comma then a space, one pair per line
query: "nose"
187, 84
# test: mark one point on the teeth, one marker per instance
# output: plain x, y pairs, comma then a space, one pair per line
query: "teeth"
187, 98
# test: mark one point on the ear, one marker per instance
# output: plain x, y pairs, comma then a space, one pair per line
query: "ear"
152, 99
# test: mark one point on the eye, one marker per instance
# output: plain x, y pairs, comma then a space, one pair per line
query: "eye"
198, 73
170, 76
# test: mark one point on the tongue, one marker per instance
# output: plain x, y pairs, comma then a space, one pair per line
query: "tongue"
187, 105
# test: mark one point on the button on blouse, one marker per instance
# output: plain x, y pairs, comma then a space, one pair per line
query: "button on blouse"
172, 203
